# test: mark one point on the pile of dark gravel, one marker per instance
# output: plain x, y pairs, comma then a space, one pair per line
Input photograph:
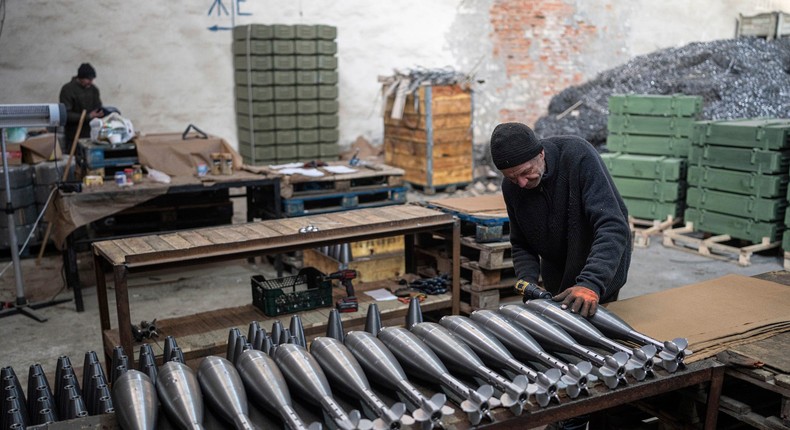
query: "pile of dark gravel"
737, 78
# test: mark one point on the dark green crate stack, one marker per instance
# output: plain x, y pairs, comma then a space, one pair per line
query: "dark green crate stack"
286, 92
649, 136
738, 173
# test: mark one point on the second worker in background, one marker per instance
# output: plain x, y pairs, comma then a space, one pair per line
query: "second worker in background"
568, 223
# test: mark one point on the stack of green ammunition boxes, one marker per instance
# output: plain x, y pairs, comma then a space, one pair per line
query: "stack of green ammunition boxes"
738, 173
649, 140
286, 92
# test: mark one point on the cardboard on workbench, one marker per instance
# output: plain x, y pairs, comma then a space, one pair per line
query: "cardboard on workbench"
712, 314
492, 205
176, 156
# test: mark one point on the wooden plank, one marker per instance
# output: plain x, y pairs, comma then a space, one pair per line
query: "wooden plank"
262, 230
110, 251
217, 236
123, 246
176, 241
158, 243
194, 238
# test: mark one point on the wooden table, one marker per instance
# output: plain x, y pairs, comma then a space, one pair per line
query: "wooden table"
145, 253
254, 184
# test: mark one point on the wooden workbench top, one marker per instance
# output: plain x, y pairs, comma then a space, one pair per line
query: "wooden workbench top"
265, 235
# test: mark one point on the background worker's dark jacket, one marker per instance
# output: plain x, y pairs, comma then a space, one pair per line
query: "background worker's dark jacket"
76, 98
573, 228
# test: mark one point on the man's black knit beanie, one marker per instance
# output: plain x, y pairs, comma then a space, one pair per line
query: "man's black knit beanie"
86, 71
513, 143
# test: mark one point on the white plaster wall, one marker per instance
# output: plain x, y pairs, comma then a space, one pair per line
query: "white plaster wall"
159, 63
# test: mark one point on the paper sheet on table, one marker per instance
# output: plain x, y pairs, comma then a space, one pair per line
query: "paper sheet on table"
313, 173
381, 295
339, 169
285, 166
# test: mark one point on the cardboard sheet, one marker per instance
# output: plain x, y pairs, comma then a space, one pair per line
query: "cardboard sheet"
488, 205
170, 153
713, 314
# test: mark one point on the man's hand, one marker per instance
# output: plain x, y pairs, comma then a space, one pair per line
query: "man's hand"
97, 113
580, 300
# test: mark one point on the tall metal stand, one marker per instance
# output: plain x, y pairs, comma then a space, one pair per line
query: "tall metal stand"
21, 306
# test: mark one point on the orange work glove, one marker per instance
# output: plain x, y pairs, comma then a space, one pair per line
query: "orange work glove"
580, 300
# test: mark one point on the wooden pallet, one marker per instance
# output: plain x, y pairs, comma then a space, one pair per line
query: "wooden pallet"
489, 256
433, 189
642, 229
335, 202
687, 239
491, 298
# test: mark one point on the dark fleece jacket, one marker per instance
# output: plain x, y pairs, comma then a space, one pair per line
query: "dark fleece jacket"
76, 98
573, 227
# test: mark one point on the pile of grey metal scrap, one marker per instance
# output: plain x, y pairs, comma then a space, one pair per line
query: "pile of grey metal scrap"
737, 78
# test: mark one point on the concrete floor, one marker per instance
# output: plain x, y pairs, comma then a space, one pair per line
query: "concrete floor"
172, 293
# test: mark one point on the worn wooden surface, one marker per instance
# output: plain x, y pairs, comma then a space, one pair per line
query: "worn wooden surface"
263, 235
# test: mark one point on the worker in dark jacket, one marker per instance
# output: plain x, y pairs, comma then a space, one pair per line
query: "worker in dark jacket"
568, 223
78, 95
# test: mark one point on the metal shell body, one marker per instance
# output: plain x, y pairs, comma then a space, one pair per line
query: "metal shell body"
135, 399
179, 392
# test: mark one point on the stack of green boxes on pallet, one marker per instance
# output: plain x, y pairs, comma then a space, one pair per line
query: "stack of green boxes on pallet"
649, 140
286, 92
738, 173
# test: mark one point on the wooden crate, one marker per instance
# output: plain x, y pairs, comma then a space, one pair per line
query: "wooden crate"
376, 267
432, 140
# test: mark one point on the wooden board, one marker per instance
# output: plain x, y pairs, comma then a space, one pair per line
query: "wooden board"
377, 267
208, 242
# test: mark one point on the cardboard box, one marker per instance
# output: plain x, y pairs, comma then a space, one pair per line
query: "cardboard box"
38, 149
13, 154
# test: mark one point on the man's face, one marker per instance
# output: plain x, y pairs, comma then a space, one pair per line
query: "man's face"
527, 175
85, 82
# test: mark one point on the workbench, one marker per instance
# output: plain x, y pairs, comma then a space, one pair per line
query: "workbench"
270, 237
75, 210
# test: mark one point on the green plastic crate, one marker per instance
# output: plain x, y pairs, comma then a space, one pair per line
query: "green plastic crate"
308, 289
285, 92
303, 31
327, 77
651, 125
328, 121
655, 105
285, 122
736, 204
307, 151
650, 189
283, 62
750, 183
329, 150
325, 47
258, 108
645, 166
283, 47
255, 78
307, 107
259, 123
743, 159
253, 31
286, 138
786, 241
307, 77
326, 32
286, 151
737, 227
305, 47
253, 62
328, 135
327, 92
307, 122
257, 152
306, 62
670, 146
283, 31
327, 62
761, 133
285, 107
308, 136
260, 94
307, 92
256, 47
284, 78
262, 138
328, 106
651, 209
